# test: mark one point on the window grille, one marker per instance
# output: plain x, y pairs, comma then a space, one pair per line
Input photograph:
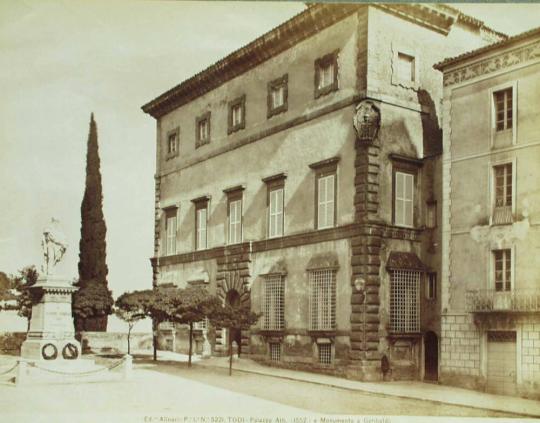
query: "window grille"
201, 228
503, 109
503, 270
275, 218
235, 221
275, 351
322, 300
274, 301
404, 301
325, 353
171, 235
403, 201
325, 203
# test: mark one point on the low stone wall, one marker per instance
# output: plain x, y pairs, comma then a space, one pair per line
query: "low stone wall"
114, 342
10, 342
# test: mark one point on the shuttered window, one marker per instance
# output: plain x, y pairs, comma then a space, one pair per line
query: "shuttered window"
325, 201
235, 221
275, 213
403, 201
171, 234
201, 228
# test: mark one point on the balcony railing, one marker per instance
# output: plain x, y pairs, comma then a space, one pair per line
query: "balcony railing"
517, 300
502, 215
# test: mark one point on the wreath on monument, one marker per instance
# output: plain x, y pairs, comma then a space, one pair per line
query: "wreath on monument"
49, 351
70, 351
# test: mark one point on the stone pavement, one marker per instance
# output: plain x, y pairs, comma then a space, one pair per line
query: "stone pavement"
407, 389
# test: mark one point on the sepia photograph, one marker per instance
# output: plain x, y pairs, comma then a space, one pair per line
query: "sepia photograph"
269, 211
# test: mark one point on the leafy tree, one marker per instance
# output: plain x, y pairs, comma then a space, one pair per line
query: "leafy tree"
234, 317
25, 297
92, 248
193, 306
6, 296
130, 308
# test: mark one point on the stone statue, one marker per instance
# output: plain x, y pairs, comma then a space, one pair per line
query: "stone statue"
54, 246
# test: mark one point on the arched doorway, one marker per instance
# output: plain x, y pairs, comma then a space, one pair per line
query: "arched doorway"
431, 356
232, 298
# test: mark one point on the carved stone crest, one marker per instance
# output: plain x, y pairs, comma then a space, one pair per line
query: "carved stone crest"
367, 121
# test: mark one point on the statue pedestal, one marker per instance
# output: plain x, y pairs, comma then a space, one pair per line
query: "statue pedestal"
51, 338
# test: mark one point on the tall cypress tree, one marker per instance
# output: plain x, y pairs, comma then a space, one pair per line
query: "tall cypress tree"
92, 303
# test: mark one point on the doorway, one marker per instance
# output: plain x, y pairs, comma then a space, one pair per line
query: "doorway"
431, 357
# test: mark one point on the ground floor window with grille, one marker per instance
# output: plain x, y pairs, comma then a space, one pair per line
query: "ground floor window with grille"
274, 302
404, 301
275, 351
325, 353
322, 299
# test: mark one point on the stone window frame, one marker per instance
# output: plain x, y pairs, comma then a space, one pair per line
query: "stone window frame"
492, 189
176, 133
201, 203
170, 212
323, 169
494, 133
398, 49
328, 59
239, 101
273, 183
282, 81
198, 120
412, 166
235, 193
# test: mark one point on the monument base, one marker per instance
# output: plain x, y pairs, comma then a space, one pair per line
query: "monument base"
51, 350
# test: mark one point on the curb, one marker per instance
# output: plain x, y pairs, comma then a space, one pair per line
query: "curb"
332, 385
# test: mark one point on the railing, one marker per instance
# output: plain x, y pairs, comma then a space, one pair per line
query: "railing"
502, 215
517, 300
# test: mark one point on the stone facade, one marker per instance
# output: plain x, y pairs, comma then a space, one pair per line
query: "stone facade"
491, 235
372, 121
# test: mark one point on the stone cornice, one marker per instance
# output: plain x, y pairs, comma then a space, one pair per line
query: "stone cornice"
302, 26
492, 64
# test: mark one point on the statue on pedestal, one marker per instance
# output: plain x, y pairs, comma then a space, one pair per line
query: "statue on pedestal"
54, 246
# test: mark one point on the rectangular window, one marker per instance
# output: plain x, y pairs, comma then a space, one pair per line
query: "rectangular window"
431, 286
503, 109
325, 353
278, 96
202, 130
237, 114
170, 224
274, 302
503, 269
275, 351
326, 74
172, 144
235, 221
503, 185
173, 139
404, 301
202, 325
201, 224
405, 67
403, 199
322, 299
326, 201
275, 213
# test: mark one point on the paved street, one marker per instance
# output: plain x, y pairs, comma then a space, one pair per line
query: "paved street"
165, 391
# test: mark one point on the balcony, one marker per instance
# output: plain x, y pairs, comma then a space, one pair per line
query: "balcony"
517, 300
502, 215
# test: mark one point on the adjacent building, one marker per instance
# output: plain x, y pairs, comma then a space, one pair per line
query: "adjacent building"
491, 218
302, 174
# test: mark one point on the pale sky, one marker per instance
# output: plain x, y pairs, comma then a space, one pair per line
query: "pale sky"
62, 60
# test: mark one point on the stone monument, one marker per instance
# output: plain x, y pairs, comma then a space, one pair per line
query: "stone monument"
51, 342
